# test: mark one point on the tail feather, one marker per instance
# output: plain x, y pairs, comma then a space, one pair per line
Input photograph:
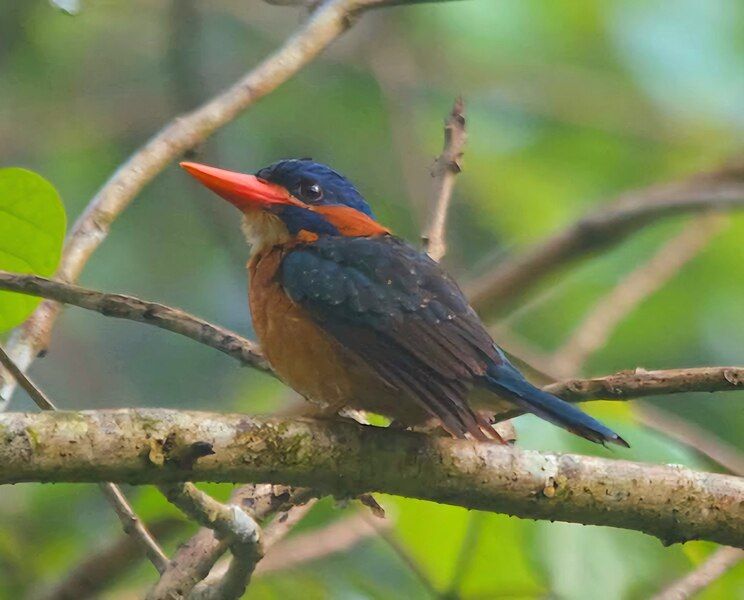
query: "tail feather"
505, 380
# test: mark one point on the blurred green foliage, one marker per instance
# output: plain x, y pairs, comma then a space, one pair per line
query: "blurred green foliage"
569, 103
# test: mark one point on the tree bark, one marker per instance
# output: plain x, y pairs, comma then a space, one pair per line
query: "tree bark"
142, 446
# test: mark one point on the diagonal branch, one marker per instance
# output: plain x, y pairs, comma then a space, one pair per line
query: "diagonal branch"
325, 24
232, 525
597, 327
273, 533
689, 434
604, 228
90, 577
446, 168
194, 560
595, 331
143, 311
625, 385
673, 503
130, 522
339, 536
714, 567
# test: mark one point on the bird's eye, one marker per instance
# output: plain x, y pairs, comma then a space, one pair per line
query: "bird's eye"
311, 191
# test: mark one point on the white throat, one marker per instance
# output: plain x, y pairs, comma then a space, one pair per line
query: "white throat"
262, 230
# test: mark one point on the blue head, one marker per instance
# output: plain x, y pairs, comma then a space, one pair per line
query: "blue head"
314, 184
309, 198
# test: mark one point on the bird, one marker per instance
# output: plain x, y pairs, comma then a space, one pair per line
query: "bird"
353, 317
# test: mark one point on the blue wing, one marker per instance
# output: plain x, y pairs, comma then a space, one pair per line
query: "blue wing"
396, 309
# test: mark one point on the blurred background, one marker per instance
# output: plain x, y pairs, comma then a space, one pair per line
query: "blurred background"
568, 103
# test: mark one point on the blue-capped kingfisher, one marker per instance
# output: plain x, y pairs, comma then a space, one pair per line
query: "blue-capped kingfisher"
351, 316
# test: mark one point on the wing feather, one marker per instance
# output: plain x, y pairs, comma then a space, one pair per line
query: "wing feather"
396, 309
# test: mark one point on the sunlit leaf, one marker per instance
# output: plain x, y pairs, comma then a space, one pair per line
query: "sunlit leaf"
32, 229
466, 552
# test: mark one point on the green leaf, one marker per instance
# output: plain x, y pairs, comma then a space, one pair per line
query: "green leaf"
466, 553
32, 229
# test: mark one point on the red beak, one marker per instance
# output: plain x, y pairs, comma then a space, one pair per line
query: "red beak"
241, 190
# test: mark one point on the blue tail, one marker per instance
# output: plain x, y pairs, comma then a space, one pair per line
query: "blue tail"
504, 379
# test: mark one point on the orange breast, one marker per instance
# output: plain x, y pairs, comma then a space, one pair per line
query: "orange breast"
308, 359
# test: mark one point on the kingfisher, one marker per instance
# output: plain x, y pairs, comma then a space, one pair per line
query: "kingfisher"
353, 317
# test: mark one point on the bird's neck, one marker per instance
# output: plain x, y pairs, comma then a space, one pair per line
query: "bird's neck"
263, 230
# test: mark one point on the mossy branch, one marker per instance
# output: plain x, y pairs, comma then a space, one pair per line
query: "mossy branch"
672, 503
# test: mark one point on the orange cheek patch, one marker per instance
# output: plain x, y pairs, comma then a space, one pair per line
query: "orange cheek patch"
351, 222
306, 237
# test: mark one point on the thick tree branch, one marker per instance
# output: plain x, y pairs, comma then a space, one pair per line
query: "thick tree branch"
604, 228
145, 446
446, 168
325, 24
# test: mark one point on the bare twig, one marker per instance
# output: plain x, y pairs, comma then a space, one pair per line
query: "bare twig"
40, 398
134, 526
230, 523
283, 523
231, 585
326, 24
621, 386
274, 532
595, 331
196, 558
717, 564
609, 312
348, 459
446, 168
225, 571
142, 311
606, 227
103, 565
131, 523
689, 434
639, 383
336, 537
